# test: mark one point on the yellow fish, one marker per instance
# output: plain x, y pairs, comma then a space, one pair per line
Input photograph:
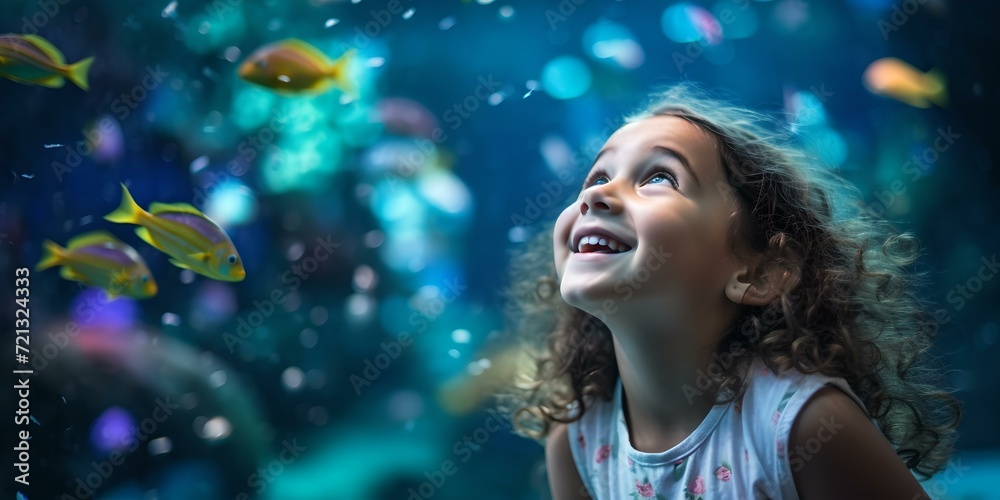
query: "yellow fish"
899, 80
295, 67
181, 231
32, 60
99, 259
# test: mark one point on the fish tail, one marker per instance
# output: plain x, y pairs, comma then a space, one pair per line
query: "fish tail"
339, 72
52, 255
128, 212
937, 81
78, 73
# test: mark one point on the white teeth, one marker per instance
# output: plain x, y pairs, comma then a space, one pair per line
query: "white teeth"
614, 245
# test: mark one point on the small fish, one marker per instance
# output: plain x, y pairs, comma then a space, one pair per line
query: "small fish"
181, 231
899, 80
292, 67
99, 259
32, 60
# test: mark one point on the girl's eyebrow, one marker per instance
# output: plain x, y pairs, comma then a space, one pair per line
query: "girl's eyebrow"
661, 151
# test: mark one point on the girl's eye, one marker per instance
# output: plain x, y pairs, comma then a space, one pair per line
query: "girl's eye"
594, 176
659, 171
664, 173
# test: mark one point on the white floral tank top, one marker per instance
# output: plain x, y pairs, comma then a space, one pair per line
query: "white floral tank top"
738, 450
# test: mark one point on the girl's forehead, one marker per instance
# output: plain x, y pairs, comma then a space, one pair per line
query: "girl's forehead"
689, 139
661, 128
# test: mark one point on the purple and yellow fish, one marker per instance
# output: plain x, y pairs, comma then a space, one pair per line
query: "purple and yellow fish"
181, 231
99, 259
32, 60
295, 67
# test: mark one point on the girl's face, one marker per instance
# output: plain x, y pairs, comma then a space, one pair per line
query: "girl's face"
658, 187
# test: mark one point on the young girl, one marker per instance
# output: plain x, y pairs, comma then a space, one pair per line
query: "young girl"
712, 321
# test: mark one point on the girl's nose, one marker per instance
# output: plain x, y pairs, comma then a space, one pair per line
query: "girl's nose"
599, 199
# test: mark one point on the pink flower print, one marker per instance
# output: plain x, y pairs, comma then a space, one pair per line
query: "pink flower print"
645, 490
746, 455
629, 461
579, 439
777, 415
723, 474
678, 462
602, 453
780, 448
697, 486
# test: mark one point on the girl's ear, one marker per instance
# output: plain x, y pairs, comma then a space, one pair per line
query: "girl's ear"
767, 283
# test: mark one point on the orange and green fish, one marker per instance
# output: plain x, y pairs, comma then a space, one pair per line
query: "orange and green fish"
32, 60
99, 259
292, 67
899, 80
181, 231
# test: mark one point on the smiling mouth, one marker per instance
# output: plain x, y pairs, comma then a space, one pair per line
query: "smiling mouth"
600, 245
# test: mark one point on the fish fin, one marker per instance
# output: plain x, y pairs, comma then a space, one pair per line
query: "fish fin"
158, 208
77, 73
119, 279
143, 233
939, 94
49, 81
179, 264
46, 47
72, 275
52, 82
91, 238
309, 50
52, 255
128, 212
340, 70
201, 256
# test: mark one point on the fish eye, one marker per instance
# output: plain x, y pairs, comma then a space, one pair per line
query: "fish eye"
261, 63
144, 278
232, 258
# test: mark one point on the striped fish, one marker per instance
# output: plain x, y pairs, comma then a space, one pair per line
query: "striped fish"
32, 60
99, 259
181, 231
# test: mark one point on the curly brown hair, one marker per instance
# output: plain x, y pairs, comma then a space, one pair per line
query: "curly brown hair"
852, 312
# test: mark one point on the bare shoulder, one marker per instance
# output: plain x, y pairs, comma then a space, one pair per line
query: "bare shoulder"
564, 480
836, 452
